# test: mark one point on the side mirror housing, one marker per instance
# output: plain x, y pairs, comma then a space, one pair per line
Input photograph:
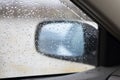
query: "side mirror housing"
68, 40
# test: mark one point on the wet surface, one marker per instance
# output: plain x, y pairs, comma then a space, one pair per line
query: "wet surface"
18, 56
18, 22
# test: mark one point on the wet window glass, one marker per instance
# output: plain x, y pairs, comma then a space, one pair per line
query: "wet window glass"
57, 39
27, 40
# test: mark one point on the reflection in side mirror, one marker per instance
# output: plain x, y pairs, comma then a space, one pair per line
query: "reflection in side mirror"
68, 40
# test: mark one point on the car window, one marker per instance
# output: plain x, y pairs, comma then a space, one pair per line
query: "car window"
18, 23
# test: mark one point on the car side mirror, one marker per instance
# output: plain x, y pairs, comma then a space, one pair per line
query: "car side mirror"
68, 40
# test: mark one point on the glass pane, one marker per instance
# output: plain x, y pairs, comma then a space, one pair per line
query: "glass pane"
57, 38
18, 23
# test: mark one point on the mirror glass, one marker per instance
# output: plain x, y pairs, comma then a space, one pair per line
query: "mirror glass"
67, 39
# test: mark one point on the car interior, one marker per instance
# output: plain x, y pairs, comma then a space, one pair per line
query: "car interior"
106, 14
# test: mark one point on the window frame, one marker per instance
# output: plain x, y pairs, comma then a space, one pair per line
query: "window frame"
106, 56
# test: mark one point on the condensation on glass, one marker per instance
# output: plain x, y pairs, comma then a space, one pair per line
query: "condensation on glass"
18, 22
57, 38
